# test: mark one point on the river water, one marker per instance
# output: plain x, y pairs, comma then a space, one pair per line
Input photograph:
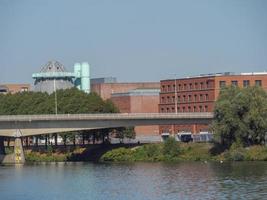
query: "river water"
136, 181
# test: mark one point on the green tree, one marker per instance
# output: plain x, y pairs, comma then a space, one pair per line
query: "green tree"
240, 115
171, 148
129, 133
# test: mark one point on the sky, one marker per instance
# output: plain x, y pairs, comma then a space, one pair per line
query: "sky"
133, 40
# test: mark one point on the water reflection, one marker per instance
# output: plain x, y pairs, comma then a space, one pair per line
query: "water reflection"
185, 180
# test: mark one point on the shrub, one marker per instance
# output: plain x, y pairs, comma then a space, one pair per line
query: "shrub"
152, 150
118, 155
171, 148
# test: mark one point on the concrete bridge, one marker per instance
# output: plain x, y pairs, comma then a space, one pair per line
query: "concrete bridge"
29, 125
18, 126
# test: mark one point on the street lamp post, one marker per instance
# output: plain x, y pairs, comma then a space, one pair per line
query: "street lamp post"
55, 91
175, 93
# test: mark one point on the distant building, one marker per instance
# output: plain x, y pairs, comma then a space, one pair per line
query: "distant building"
103, 80
198, 94
106, 89
14, 88
139, 97
140, 101
53, 76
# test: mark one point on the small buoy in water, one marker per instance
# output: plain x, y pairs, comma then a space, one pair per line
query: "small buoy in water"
221, 161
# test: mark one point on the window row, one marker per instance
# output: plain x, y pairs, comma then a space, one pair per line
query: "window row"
201, 108
185, 87
185, 98
246, 83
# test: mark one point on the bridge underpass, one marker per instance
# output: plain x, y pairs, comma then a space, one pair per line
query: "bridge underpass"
31, 125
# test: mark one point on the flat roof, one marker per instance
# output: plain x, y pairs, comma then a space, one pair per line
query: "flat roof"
219, 74
138, 92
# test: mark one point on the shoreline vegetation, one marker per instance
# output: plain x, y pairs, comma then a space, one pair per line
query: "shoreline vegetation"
169, 151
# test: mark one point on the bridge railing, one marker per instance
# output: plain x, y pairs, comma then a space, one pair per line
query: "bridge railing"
186, 115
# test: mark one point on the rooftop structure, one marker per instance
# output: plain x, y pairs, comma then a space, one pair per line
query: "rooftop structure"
53, 76
103, 80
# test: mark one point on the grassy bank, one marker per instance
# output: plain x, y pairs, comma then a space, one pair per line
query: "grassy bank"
69, 153
185, 152
169, 151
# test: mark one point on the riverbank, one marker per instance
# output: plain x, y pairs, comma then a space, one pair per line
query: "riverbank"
87, 153
186, 152
159, 152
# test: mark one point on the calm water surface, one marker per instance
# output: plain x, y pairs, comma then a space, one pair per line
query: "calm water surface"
138, 181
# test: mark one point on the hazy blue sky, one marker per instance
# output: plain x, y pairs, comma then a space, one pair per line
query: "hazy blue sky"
134, 40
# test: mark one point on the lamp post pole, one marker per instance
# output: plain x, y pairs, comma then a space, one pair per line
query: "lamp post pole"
175, 93
55, 90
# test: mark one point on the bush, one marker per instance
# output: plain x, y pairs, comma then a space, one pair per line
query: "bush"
171, 148
118, 155
152, 150
256, 153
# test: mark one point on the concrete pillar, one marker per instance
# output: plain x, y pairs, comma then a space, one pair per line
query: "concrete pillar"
18, 151
2, 146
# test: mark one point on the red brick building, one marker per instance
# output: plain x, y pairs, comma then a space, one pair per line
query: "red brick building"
14, 88
198, 94
106, 89
139, 101
140, 97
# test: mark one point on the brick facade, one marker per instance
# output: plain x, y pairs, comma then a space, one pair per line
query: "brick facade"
106, 89
138, 103
198, 94
15, 88
128, 101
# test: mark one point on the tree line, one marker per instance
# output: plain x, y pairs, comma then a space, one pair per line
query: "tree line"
69, 101
240, 116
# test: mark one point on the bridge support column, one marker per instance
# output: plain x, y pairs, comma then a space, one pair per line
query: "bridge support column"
2, 146
18, 151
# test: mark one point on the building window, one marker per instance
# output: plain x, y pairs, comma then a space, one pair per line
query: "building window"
206, 108
201, 97
173, 87
189, 98
191, 86
184, 98
163, 88
173, 99
245, 83
195, 109
162, 109
207, 84
162, 100
234, 83
180, 87
168, 109
179, 98
185, 87
200, 109
258, 83
183, 109
178, 109
201, 85
173, 109
169, 88
222, 84
189, 109
196, 86
195, 97
207, 97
